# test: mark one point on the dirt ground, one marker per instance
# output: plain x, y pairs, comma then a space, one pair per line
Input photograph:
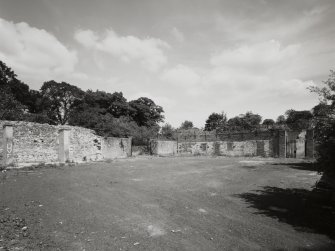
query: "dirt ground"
185, 203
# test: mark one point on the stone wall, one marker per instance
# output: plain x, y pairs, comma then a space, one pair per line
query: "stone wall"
244, 143
85, 145
37, 143
204, 136
265, 143
227, 148
163, 147
116, 148
33, 142
310, 145
1, 145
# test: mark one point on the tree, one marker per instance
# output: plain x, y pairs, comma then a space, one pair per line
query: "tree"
252, 120
186, 125
120, 107
324, 120
6, 74
247, 121
298, 120
215, 120
10, 108
167, 131
236, 122
268, 122
98, 99
62, 99
281, 120
145, 112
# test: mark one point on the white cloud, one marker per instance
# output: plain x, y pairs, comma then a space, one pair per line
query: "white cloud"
149, 51
86, 38
177, 34
251, 66
34, 54
181, 75
256, 56
254, 77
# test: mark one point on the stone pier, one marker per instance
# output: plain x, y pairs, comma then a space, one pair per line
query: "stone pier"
8, 145
64, 145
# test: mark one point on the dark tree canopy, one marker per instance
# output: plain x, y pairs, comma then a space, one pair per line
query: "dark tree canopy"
145, 112
10, 108
281, 120
268, 122
62, 97
119, 106
6, 74
324, 120
215, 121
186, 125
109, 114
298, 120
167, 131
245, 121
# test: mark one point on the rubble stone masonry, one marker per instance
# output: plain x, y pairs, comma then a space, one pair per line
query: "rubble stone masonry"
43, 143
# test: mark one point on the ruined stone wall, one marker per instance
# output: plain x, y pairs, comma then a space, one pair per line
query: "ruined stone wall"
227, 148
1, 143
310, 144
204, 136
85, 145
40, 143
243, 143
266, 143
34, 142
116, 148
163, 147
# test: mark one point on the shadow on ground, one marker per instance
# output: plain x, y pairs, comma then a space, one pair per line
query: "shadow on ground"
303, 209
308, 166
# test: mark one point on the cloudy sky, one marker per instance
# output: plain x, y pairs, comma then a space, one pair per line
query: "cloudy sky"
192, 57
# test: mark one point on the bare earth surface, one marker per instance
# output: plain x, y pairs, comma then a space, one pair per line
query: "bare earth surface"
187, 203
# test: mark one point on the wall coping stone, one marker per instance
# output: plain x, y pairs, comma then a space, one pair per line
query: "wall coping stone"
64, 129
7, 124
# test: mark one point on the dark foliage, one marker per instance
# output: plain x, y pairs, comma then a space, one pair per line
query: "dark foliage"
62, 98
10, 108
324, 122
268, 122
215, 121
281, 120
145, 112
109, 114
167, 132
298, 120
247, 121
186, 125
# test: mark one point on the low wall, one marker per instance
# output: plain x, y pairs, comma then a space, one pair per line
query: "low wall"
43, 143
227, 148
204, 136
1, 145
33, 142
271, 143
116, 148
163, 147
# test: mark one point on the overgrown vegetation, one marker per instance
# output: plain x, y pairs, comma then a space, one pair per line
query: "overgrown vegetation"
109, 114
324, 122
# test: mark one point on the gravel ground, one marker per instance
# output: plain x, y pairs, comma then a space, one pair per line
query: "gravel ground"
185, 203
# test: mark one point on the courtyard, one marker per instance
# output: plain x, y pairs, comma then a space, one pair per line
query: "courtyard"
171, 203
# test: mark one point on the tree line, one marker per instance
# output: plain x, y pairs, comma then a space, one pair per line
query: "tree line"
292, 119
110, 114
60, 103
